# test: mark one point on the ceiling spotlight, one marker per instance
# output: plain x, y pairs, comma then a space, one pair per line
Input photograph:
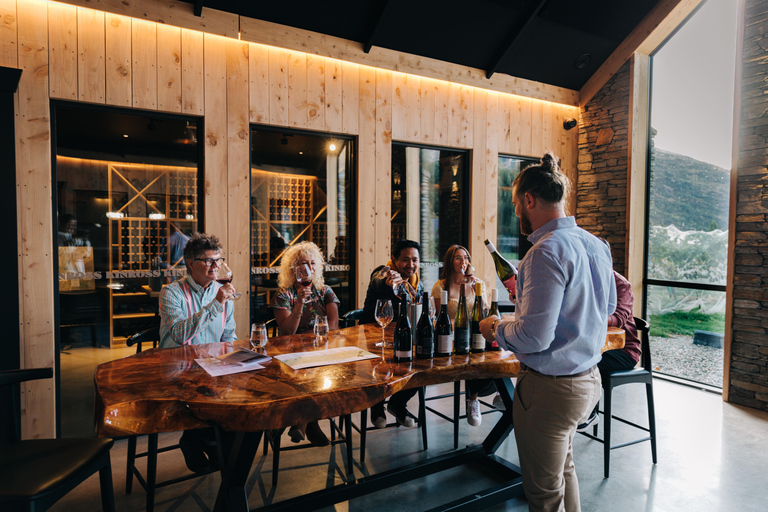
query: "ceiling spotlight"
301, 152
332, 147
125, 135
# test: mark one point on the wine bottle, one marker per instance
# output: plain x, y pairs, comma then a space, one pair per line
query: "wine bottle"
461, 326
504, 269
403, 344
425, 332
477, 340
494, 311
443, 329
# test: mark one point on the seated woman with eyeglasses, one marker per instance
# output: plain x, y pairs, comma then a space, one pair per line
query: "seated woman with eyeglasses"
302, 298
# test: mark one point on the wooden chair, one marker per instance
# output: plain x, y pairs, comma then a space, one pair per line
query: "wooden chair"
640, 375
36, 473
151, 335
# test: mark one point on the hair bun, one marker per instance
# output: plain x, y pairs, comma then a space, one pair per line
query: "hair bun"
550, 161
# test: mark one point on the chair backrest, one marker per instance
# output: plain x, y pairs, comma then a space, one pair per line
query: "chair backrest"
10, 379
349, 318
645, 344
272, 324
150, 335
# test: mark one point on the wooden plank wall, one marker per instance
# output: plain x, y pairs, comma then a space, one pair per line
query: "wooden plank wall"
75, 53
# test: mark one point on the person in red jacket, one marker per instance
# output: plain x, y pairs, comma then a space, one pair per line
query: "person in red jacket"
621, 358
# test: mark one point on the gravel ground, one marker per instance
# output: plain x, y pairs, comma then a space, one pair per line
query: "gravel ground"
678, 356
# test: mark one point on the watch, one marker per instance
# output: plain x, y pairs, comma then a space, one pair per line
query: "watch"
493, 327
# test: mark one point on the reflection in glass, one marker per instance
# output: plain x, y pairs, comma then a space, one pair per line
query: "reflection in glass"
428, 201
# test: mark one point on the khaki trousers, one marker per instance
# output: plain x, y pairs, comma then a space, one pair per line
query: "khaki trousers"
546, 412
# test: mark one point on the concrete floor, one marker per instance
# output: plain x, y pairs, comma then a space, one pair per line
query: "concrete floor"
712, 457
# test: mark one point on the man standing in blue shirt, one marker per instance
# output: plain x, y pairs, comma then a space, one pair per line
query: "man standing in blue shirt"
565, 292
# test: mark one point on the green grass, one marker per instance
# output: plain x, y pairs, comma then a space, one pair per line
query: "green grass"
685, 323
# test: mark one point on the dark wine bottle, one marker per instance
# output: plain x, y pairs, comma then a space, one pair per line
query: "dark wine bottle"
494, 311
443, 329
477, 342
425, 332
403, 343
461, 325
504, 269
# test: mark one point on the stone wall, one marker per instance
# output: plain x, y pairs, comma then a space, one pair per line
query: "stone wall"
601, 191
748, 383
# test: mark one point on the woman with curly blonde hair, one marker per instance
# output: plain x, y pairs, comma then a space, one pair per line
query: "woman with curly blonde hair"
297, 306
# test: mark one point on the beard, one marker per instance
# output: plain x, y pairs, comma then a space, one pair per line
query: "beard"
525, 224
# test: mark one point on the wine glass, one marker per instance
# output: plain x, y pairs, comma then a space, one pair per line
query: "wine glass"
384, 314
432, 308
321, 326
303, 275
224, 276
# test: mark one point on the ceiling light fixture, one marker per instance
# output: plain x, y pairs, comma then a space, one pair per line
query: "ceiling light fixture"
332, 147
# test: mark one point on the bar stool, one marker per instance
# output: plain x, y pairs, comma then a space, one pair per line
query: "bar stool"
457, 416
151, 335
641, 375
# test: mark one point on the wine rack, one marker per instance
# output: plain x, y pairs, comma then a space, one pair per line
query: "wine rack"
144, 200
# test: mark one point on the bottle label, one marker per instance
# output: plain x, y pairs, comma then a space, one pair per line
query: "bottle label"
461, 341
424, 345
478, 342
445, 343
403, 354
511, 285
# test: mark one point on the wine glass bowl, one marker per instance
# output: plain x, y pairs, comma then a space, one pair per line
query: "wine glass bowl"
384, 315
303, 275
224, 276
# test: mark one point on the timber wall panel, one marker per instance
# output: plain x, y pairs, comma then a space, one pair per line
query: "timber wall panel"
132, 61
333, 97
144, 58
192, 72
258, 83
91, 65
315, 98
168, 68
8, 34
33, 178
215, 140
118, 36
238, 179
62, 51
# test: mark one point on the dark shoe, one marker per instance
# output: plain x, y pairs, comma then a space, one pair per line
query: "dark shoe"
194, 456
401, 415
295, 434
315, 435
213, 456
378, 416
591, 421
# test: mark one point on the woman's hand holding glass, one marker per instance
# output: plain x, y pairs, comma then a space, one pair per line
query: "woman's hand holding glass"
304, 276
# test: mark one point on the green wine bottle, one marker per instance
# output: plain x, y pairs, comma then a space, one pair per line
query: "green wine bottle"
494, 311
461, 325
504, 269
477, 342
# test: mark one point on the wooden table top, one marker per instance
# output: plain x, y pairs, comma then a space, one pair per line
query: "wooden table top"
164, 390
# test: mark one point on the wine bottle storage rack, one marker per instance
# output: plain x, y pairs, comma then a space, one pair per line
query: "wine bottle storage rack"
279, 201
136, 192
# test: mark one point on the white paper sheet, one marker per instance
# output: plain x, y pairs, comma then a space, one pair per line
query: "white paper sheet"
299, 360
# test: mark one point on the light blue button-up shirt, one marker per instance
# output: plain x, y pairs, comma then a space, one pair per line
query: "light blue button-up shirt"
565, 293
191, 315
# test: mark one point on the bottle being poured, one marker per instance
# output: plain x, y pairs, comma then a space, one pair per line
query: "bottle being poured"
504, 269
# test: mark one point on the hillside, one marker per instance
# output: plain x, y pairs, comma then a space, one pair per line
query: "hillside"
688, 193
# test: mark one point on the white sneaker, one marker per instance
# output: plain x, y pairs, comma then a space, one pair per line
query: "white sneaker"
498, 403
380, 422
474, 417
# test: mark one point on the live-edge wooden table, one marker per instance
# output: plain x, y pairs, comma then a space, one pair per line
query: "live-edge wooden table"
164, 390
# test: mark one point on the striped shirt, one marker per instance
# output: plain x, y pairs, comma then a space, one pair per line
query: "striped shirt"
191, 315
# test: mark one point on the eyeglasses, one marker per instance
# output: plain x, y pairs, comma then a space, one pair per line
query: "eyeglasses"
210, 261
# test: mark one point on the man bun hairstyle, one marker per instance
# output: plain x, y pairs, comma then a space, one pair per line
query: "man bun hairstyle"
544, 180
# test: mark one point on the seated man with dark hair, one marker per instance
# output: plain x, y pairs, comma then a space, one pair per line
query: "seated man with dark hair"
194, 311
401, 280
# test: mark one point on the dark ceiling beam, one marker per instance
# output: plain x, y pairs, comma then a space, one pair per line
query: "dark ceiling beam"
522, 27
199, 8
375, 25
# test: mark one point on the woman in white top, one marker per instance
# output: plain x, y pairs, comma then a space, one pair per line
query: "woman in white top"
457, 272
